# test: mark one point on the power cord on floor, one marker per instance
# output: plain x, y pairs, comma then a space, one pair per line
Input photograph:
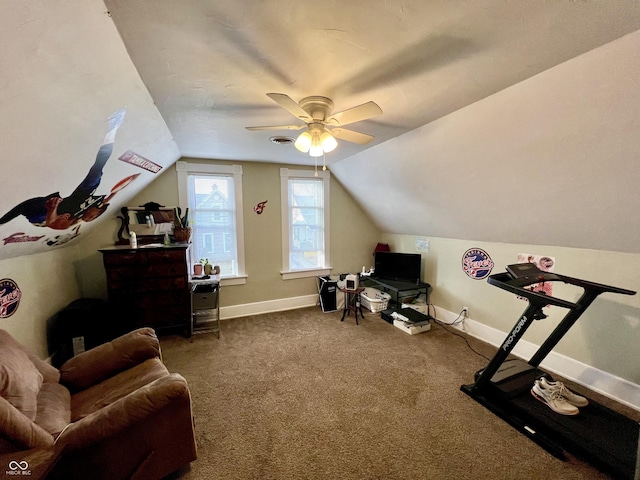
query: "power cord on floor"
458, 320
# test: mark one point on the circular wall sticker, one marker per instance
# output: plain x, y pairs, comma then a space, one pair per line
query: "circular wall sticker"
477, 263
10, 296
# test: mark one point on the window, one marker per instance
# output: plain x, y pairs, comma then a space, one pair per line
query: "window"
213, 194
305, 223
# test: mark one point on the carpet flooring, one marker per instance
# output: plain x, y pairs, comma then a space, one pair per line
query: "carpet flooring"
302, 395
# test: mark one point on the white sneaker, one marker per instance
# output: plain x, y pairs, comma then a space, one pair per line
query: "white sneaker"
572, 398
552, 398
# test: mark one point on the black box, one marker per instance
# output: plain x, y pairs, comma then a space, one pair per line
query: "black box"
387, 315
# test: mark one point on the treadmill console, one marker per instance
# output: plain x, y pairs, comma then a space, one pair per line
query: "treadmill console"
523, 270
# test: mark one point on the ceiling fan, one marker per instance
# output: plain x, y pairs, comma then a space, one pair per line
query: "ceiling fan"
323, 126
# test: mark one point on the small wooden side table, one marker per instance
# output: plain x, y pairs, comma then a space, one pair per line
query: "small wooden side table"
352, 302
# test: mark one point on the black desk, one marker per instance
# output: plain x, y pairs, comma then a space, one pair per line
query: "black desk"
397, 287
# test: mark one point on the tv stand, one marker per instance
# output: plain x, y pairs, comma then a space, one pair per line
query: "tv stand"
398, 287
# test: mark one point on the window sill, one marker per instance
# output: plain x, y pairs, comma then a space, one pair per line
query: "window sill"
228, 281
317, 272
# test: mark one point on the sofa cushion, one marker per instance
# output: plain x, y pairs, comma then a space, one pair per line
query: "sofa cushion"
20, 380
54, 408
105, 393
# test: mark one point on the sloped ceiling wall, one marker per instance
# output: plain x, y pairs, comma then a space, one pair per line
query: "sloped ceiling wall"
554, 160
65, 71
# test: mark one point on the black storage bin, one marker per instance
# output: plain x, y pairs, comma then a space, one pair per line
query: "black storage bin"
83, 324
328, 291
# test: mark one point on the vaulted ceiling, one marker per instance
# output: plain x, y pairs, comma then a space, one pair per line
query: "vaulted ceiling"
209, 65
514, 121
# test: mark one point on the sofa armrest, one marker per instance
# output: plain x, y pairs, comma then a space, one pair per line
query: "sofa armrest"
133, 408
95, 365
17, 429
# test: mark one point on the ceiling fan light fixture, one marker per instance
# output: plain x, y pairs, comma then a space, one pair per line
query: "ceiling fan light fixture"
329, 143
303, 142
316, 146
317, 113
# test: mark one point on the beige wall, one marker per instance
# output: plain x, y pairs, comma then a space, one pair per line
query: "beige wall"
353, 237
48, 284
606, 336
64, 71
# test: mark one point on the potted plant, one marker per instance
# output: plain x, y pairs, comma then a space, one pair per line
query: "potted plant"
207, 266
197, 268
181, 228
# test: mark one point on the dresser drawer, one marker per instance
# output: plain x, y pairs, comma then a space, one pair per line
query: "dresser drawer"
117, 277
162, 299
153, 269
117, 259
164, 257
163, 283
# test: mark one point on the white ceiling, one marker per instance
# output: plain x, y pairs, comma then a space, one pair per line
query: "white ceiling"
209, 65
479, 98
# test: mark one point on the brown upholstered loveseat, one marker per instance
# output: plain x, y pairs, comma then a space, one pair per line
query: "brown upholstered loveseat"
114, 411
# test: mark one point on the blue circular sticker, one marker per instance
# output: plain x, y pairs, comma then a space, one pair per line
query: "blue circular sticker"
10, 296
477, 263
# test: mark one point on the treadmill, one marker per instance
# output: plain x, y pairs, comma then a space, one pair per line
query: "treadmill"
599, 435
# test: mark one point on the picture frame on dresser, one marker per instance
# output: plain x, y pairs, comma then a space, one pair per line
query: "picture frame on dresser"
150, 222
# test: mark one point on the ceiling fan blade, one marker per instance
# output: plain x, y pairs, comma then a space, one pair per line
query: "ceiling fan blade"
276, 127
288, 104
355, 114
351, 136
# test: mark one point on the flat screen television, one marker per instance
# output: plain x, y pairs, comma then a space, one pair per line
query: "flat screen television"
404, 267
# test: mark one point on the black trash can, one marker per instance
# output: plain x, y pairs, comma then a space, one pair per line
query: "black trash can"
328, 294
83, 324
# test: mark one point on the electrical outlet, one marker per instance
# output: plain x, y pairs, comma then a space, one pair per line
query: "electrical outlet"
465, 312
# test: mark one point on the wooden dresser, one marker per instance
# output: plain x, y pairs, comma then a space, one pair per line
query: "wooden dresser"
149, 286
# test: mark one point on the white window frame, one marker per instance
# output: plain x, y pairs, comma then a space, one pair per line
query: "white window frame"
184, 169
285, 175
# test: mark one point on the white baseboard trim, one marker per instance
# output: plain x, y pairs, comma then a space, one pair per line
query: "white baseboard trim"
597, 380
269, 306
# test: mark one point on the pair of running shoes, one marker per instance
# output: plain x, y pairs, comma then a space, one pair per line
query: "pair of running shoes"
557, 396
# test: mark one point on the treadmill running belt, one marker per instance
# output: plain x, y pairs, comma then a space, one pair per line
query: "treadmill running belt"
597, 432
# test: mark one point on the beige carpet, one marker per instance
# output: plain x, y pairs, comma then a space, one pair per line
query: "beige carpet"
301, 395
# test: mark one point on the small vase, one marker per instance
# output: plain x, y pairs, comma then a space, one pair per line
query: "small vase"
208, 268
197, 269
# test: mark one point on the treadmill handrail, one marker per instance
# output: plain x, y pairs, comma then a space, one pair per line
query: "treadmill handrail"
587, 285
506, 282
515, 285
